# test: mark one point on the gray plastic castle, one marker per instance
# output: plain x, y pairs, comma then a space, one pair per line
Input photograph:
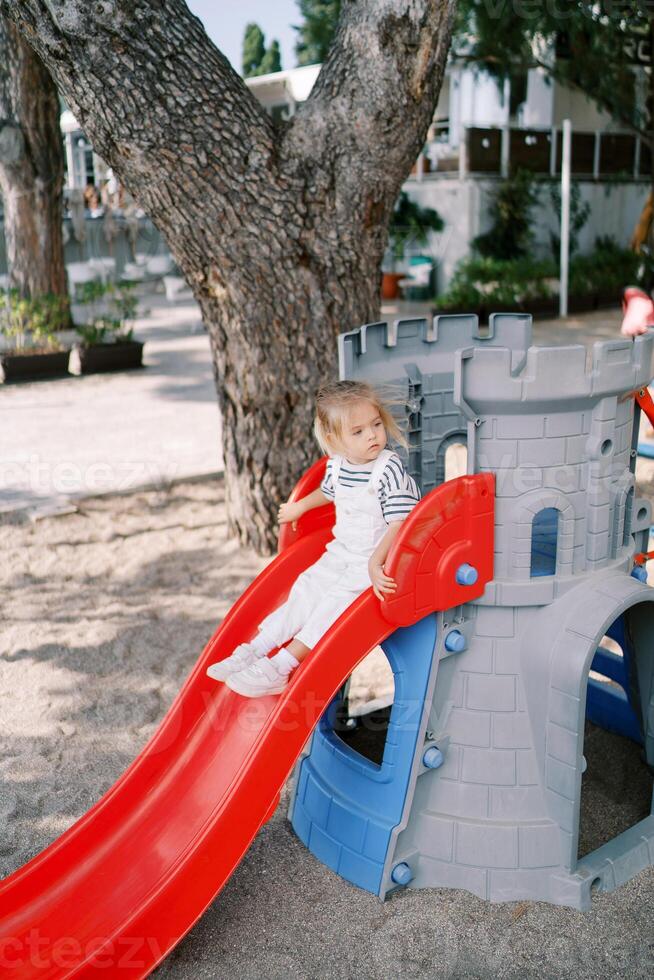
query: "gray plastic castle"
495, 808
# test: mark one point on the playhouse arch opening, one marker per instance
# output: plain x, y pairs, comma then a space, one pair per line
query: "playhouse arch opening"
617, 780
361, 715
614, 688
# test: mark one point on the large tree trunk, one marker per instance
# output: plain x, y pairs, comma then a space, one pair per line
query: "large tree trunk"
31, 168
280, 232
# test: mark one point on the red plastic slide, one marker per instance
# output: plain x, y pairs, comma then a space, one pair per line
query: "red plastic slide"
116, 892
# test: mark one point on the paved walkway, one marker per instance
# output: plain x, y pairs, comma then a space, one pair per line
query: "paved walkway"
109, 433
70, 438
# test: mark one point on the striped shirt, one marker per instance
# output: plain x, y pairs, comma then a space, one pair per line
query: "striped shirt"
397, 491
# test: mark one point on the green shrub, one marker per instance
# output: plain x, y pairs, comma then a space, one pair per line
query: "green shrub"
113, 308
579, 215
411, 224
510, 236
34, 322
608, 267
498, 282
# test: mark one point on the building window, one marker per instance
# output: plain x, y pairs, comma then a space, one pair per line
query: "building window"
544, 534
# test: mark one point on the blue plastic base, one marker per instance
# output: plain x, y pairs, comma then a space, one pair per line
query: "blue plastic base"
606, 705
345, 806
646, 449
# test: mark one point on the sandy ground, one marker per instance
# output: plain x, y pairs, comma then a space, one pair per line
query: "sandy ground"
104, 613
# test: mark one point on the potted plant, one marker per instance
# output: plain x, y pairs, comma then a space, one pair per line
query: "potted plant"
410, 223
106, 341
29, 328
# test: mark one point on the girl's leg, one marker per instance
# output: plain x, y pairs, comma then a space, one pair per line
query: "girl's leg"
297, 650
284, 622
333, 601
271, 676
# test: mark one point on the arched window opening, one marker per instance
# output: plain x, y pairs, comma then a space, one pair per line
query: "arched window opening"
364, 709
456, 460
544, 535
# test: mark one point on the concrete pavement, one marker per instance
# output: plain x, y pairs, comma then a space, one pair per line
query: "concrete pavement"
109, 433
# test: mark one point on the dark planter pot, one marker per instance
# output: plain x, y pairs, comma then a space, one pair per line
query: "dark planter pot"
506, 308
580, 303
96, 358
542, 306
606, 299
458, 311
33, 367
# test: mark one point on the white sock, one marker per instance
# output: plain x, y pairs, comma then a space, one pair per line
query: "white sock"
260, 646
284, 662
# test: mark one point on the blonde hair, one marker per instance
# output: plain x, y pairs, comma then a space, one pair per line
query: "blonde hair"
333, 403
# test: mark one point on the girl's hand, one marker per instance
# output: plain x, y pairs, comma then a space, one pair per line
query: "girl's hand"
289, 513
381, 583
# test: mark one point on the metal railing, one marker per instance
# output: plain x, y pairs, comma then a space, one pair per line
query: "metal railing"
596, 155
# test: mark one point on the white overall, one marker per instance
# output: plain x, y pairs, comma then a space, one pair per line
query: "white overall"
325, 590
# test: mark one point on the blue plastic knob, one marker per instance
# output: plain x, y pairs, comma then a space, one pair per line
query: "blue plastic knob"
433, 758
466, 574
639, 572
455, 641
401, 874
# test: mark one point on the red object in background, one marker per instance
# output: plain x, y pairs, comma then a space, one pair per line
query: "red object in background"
118, 890
638, 312
645, 402
390, 286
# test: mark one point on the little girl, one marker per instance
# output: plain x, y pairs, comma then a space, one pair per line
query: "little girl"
373, 494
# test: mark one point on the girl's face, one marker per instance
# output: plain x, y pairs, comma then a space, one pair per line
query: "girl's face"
364, 434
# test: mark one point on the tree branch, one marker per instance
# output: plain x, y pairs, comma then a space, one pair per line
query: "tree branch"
376, 91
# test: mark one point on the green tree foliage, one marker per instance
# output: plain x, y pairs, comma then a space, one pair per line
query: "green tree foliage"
411, 223
257, 60
254, 50
596, 42
315, 33
510, 236
272, 60
579, 215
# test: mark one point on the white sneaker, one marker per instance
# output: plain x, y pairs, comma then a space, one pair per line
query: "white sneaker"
241, 657
258, 679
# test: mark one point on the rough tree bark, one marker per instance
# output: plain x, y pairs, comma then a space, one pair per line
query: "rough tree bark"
31, 168
279, 231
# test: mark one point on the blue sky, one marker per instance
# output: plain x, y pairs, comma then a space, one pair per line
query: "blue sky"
225, 20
